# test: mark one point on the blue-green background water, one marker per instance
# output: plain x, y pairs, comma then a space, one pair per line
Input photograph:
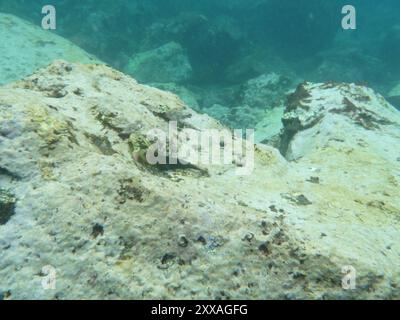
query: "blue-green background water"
244, 57
229, 42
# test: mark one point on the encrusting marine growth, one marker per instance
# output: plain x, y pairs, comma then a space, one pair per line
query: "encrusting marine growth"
123, 229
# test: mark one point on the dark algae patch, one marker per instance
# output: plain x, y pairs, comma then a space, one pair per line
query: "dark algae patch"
7, 206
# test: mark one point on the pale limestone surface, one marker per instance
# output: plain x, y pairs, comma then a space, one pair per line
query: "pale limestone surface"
114, 227
25, 47
270, 125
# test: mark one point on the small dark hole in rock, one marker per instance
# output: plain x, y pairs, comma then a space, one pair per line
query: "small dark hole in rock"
97, 230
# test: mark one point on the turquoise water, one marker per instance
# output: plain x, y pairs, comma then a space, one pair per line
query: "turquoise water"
224, 44
230, 42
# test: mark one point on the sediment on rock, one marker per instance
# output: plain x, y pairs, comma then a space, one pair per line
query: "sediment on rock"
87, 203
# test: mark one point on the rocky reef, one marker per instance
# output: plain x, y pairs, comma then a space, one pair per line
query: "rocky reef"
75, 196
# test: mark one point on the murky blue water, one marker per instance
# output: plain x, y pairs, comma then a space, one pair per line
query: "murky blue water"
293, 37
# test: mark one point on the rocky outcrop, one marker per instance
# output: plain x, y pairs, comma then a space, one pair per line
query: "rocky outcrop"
112, 226
24, 48
165, 64
318, 114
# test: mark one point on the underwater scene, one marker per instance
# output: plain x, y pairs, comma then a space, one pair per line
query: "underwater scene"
199, 150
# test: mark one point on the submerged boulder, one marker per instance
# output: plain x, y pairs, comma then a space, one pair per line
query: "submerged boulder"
165, 64
318, 115
113, 227
25, 47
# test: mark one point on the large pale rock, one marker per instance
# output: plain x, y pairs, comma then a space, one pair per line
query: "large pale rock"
319, 115
165, 64
346, 135
112, 226
25, 47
